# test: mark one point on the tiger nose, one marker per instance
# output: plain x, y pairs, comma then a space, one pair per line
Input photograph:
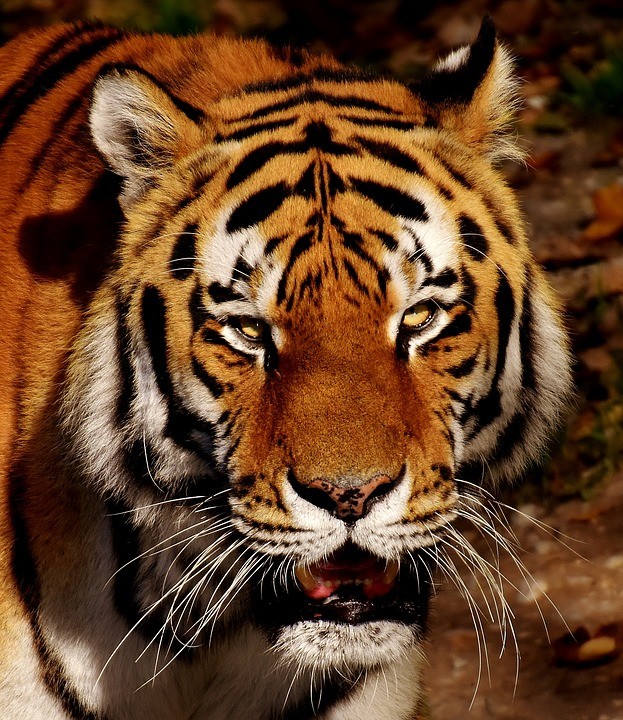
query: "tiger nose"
345, 500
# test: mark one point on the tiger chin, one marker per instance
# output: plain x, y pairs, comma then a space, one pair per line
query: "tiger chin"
270, 325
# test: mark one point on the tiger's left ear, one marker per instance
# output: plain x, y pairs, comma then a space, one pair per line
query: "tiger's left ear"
139, 128
473, 92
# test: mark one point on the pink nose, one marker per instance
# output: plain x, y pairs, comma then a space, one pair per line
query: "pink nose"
345, 502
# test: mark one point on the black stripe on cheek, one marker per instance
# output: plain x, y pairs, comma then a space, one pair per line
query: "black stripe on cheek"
126, 371
391, 154
489, 407
460, 324
153, 312
198, 313
463, 368
473, 238
257, 207
388, 240
391, 199
213, 384
511, 437
183, 257
469, 290
526, 341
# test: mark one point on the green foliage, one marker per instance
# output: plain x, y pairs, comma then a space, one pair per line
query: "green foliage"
176, 17
598, 91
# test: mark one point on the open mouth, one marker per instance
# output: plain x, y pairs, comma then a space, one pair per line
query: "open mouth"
350, 586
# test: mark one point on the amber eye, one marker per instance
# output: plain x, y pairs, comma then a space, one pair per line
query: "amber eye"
252, 328
418, 316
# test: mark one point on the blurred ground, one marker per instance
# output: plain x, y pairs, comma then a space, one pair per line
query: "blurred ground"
570, 57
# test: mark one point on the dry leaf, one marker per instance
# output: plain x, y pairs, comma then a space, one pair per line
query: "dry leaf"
580, 648
608, 220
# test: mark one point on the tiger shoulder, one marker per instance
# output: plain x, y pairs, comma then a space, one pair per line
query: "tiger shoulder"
269, 325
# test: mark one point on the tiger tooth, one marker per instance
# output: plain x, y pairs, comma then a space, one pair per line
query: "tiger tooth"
390, 573
306, 578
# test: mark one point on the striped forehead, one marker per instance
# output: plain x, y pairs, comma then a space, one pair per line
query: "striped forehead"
323, 191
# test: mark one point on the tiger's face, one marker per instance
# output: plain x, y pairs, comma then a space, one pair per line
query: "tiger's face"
330, 326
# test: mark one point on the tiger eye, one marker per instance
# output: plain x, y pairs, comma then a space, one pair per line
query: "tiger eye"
417, 316
252, 328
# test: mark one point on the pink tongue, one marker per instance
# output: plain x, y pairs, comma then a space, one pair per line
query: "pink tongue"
368, 573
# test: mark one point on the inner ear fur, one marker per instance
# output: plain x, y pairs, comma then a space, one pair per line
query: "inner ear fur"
473, 93
139, 128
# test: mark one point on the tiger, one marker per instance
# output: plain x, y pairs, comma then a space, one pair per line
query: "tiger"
270, 325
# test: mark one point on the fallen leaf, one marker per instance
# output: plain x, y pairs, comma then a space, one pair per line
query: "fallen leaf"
579, 648
608, 220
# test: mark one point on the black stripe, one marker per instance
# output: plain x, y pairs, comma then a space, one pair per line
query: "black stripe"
379, 122
198, 313
489, 407
183, 257
213, 384
391, 199
257, 207
315, 96
352, 273
469, 290
473, 238
127, 548
292, 82
256, 129
391, 154
153, 314
301, 246
318, 135
257, 158
183, 427
354, 241
44, 81
446, 278
55, 135
463, 368
306, 185
460, 324
25, 573
274, 243
388, 240
454, 173
526, 341
126, 370
223, 293
510, 438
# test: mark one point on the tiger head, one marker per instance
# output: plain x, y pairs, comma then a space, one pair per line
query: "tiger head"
324, 336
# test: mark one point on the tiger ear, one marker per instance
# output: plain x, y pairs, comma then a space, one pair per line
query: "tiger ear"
139, 128
473, 92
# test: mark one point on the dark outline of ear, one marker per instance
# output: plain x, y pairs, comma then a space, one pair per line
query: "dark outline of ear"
458, 85
192, 113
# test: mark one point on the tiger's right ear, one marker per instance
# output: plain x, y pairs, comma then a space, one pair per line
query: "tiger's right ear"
139, 128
